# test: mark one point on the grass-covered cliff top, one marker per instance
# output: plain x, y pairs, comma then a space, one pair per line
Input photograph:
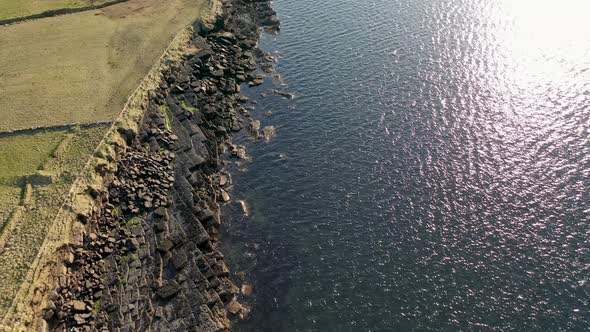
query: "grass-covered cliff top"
20, 8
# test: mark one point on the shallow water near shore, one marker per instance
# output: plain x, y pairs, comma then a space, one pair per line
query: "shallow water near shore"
431, 173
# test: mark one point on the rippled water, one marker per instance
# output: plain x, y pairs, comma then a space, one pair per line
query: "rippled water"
437, 173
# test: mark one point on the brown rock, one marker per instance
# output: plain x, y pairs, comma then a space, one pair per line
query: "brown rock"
223, 180
79, 306
224, 195
168, 290
234, 307
165, 245
247, 289
245, 313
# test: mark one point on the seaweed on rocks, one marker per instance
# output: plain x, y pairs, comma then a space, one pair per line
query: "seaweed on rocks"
150, 258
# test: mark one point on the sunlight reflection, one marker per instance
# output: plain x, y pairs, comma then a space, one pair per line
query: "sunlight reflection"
540, 37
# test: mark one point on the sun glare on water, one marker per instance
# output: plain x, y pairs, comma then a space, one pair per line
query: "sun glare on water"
545, 38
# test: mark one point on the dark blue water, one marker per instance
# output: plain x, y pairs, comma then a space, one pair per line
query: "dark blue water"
437, 171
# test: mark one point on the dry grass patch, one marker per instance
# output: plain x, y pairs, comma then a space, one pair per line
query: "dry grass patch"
20, 8
9, 199
80, 68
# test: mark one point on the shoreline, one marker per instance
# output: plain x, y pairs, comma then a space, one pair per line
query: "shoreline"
146, 252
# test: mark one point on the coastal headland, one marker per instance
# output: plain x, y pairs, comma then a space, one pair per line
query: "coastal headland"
134, 246
64, 79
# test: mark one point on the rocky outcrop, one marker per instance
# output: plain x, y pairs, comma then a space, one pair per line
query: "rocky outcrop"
248, 15
148, 259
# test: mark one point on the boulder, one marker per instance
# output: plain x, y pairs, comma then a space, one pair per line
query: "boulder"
165, 245
79, 306
269, 133
168, 290
224, 195
284, 94
256, 82
223, 180
234, 307
205, 215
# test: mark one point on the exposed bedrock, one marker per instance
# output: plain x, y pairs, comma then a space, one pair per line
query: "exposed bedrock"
149, 259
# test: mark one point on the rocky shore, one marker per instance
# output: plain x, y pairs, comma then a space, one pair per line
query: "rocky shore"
149, 257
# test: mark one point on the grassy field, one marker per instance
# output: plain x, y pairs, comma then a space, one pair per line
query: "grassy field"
9, 199
31, 227
20, 8
80, 68
24, 154
21, 155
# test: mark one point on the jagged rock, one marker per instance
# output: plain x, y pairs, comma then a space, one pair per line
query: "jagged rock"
217, 73
159, 314
169, 289
221, 131
161, 212
79, 306
79, 319
234, 307
245, 312
223, 180
224, 195
284, 94
247, 289
48, 314
244, 207
50, 305
165, 245
226, 35
271, 21
243, 99
269, 133
160, 226
179, 261
267, 68
256, 82
255, 127
220, 269
201, 55
205, 215
133, 244
240, 153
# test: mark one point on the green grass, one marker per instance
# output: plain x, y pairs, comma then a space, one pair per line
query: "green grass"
116, 211
96, 306
164, 109
25, 239
20, 8
81, 68
188, 107
24, 154
134, 222
9, 199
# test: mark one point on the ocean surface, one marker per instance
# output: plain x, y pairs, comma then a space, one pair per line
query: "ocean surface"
432, 172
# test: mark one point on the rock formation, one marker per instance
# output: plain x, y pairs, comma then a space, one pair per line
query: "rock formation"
148, 259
